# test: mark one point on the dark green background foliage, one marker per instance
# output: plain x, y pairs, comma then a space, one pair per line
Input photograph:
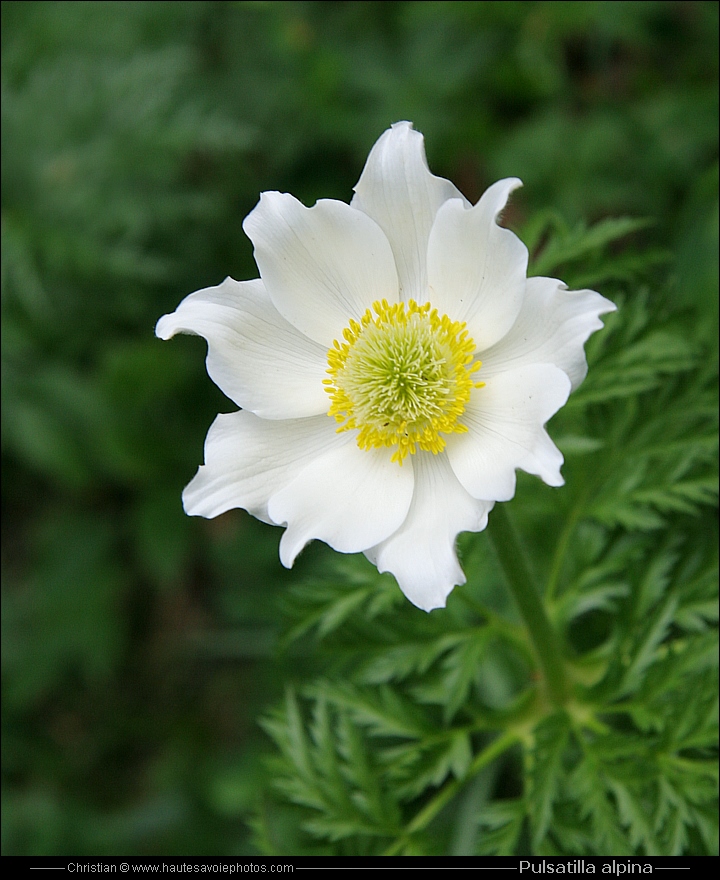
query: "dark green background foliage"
140, 647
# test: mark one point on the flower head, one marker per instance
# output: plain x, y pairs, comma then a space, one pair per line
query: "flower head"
394, 364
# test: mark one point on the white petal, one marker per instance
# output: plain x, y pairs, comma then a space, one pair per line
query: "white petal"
248, 459
350, 498
321, 266
553, 325
477, 269
421, 554
505, 422
254, 356
398, 191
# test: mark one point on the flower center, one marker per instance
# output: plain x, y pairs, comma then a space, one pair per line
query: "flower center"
402, 377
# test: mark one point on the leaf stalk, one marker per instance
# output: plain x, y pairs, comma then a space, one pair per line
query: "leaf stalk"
518, 574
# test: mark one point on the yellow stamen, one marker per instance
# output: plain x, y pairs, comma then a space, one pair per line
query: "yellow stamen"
401, 376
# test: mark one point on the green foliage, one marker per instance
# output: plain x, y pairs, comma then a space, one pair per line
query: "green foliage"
139, 646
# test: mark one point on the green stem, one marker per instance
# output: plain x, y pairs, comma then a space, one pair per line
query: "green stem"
448, 792
518, 575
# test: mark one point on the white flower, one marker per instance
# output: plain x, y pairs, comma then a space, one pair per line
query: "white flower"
394, 366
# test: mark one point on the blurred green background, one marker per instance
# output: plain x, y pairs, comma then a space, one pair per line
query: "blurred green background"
139, 646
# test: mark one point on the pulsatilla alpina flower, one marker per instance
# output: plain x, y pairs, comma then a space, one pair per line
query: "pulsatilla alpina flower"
394, 365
